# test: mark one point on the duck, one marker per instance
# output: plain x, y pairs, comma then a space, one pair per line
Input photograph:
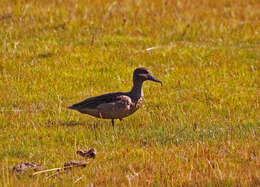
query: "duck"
117, 105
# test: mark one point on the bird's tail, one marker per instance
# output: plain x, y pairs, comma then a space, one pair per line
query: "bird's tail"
71, 107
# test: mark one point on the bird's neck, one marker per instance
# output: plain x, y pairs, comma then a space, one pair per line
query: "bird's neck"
137, 90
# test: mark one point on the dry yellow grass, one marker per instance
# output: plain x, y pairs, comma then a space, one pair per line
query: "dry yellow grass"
200, 129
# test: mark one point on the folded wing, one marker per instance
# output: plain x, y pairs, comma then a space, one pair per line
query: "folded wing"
93, 102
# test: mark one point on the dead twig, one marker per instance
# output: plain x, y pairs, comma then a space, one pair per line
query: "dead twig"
67, 165
77, 180
46, 171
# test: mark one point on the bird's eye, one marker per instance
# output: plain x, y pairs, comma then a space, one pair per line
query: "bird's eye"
144, 72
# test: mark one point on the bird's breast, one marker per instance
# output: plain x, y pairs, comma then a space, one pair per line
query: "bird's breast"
137, 104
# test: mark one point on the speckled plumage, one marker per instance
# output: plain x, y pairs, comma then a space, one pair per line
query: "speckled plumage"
117, 105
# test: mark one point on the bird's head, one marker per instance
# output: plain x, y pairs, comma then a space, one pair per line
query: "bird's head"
143, 74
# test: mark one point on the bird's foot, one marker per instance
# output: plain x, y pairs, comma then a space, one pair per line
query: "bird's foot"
113, 123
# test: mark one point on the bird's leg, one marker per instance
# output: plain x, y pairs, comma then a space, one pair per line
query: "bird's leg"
121, 126
113, 123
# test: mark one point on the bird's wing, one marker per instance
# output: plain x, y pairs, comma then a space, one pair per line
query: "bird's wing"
93, 102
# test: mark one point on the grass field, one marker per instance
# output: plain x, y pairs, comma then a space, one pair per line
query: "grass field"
201, 128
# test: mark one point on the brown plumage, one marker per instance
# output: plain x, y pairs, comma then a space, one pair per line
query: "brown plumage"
117, 105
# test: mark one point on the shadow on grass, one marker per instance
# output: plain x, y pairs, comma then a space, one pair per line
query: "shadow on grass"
93, 125
73, 123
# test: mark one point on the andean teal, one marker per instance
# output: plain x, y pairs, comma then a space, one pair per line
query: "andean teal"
117, 105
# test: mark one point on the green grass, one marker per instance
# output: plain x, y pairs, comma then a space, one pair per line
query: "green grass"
201, 128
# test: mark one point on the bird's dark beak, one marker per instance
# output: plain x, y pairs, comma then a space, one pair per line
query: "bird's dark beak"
152, 78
